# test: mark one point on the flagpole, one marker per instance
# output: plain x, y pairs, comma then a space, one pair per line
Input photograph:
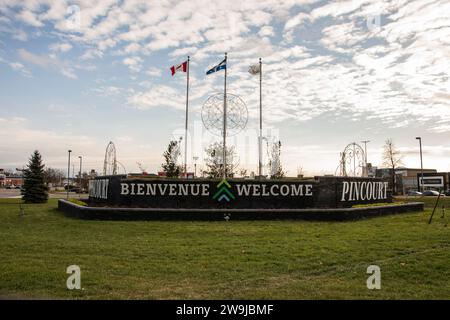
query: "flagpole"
224, 152
260, 118
186, 125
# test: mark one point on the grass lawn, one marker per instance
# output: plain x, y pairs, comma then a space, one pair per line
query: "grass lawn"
222, 260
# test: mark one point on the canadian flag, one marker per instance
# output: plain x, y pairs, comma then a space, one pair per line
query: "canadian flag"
179, 67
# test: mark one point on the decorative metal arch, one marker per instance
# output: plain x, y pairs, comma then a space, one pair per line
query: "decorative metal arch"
110, 163
352, 161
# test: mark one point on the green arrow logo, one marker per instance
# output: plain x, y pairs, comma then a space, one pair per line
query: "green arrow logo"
223, 191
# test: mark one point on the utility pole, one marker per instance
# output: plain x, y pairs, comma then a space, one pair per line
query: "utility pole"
260, 121
187, 114
365, 157
68, 175
81, 187
421, 164
224, 152
195, 158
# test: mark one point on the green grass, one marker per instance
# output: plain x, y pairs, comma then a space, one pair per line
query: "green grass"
378, 204
429, 201
215, 260
78, 202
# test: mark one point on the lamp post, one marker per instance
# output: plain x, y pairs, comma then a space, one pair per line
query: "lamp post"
68, 175
81, 161
365, 157
195, 158
421, 164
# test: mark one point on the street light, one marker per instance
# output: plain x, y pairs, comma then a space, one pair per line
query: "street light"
68, 175
81, 161
365, 156
421, 164
195, 158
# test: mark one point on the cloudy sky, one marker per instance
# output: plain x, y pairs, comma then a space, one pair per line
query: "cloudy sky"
77, 74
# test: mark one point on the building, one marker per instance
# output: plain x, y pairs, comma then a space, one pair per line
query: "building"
434, 181
406, 178
11, 181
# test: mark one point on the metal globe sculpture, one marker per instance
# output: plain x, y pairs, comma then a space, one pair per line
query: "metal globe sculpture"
212, 114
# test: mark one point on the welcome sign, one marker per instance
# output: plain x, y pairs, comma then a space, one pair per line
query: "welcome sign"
224, 187
320, 192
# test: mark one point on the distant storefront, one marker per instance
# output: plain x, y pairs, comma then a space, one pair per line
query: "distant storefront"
10, 181
434, 181
406, 178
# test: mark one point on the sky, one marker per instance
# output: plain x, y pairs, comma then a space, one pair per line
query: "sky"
78, 74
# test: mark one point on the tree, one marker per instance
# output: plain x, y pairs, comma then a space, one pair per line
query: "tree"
8, 172
34, 189
275, 167
53, 176
243, 172
171, 155
214, 161
392, 159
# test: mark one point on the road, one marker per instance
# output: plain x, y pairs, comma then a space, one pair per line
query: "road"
15, 194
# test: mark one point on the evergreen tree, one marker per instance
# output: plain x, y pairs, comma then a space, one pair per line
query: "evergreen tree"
34, 189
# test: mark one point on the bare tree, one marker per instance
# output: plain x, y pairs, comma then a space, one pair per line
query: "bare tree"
275, 167
214, 161
8, 172
53, 176
392, 159
243, 172
171, 155
300, 172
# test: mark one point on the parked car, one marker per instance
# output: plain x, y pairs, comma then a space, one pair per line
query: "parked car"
447, 193
414, 193
432, 193
72, 188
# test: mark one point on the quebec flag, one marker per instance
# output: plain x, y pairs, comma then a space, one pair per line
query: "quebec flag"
220, 66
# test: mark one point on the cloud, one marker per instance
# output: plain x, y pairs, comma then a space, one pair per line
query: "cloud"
132, 48
53, 145
296, 20
108, 91
133, 63
338, 8
48, 62
20, 35
125, 139
266, 31
17, 66
154, 72
60, 47
29, 18
92, 54
350, 67
321, 60
157, 96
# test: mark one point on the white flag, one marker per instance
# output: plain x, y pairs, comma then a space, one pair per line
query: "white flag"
254, 69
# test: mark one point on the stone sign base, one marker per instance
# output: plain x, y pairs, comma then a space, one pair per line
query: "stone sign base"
324, 214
